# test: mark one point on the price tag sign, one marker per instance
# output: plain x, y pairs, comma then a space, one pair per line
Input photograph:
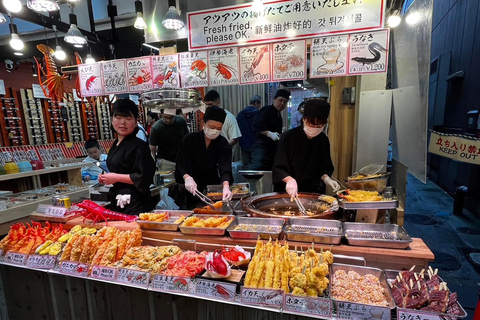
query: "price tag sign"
102, 272
319, 307
408, 314
39, 261
264, 297
16, 258
162, 282
351, 311
74, 268
55, 211
41, 208
1, 252
215, 289
133, 277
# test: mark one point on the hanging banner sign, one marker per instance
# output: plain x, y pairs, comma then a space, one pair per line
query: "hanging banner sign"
193, 69
139, 73
223, 67
329, 56
368, 52
165, 71
114, 76
455, 147
289, 60
90, 79
255, 64
281, 20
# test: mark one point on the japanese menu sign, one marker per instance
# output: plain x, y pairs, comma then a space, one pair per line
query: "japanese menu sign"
404, 314
265, 297
90, 79
329, 56
255, 64
193, 69
114, 76
455, 147
354, 311
139, 74
267, 21
289, 60
16, 258
223, 67
133, 277
165, 71
222, 290
320, 307
162, 282
41, 261
368, 52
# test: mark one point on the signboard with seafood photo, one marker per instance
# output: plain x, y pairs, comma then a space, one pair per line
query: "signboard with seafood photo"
368, 52
165, 71
114, 76
223, 67
193, 69
139, 74
289, 60
255, 64
329, 56
90, 76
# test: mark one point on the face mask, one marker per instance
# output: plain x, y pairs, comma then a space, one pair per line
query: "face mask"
312, 132
211, 133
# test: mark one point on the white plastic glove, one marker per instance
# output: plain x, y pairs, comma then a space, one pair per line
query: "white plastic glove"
123, 200
292, 188
332, 183
275, 136
190, 185
227, 194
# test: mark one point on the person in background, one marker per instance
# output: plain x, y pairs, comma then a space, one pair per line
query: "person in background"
130, 163
230, 129
205, 158
152, 117
302, 160
141, 133
245, 120
93, 155
297, 115
268, 126
165, 138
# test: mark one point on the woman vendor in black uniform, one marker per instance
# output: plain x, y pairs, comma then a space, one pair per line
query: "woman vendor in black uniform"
205, 157
130, 163
302, 159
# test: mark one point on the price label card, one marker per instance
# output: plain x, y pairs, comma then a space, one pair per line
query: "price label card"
209, 288
1, 252
41, 208
39, 261
265, 297
55, 211
133, 277
16, 258
102, 272
351, 311
320, 307
162, 282
74, 268
407, 314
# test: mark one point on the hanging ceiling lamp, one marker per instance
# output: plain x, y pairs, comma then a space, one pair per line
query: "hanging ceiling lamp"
13, 6
73, 35
43, 5
59, 53
16, 43
89, 58
172, 19
139, 23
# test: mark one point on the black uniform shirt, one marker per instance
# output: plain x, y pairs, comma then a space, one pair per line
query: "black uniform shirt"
267, 119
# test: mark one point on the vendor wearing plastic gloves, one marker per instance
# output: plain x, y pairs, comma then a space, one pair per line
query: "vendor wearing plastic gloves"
302, 159
205, 158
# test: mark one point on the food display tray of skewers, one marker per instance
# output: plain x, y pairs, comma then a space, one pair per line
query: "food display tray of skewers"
376, 235
252, 228
361, 199
206, 224
319, 231
168, 220
239, 190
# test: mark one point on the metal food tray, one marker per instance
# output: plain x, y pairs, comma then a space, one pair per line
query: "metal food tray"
390, 276
261, 227
314, 230
362, 271
376, 235
169, 224
389, 203
206, 231
217, 188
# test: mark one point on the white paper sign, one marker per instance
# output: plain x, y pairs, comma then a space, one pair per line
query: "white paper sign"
319, 307
90, 79
162, 282
328, 56
403, 314
368, 52
193, 69
165, 71
265, 297
139, 74
55, 211
133, 277
353, 311
74, 268
223, 67
216, 289
16, 258
41, 208
114, 75
102, 272
255, 64
2, 87
38, 92
38, 261
289, 60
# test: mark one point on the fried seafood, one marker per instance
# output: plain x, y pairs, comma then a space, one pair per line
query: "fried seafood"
211, 222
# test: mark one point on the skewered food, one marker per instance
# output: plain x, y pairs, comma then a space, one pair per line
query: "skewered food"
353, 287
211, 222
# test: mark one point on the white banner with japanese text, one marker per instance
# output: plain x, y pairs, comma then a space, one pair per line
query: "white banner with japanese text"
255, 64
261, 22
139, 73
329, 56
368, 52
114, 75
464, 149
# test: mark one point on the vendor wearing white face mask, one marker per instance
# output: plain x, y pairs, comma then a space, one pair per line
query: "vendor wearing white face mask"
302, 159
205, 157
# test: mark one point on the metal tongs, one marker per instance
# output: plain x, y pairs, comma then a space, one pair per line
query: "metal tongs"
204, 199
300, 205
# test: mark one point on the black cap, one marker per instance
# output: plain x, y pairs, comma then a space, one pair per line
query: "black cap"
282, 93
215, 113
316, 108
212, 95
125, 107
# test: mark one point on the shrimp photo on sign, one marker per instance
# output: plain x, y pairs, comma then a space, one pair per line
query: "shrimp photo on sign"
368, 52
289, 60
90, 79
255, 64
165, 71
223, 67
193, 69
329, 56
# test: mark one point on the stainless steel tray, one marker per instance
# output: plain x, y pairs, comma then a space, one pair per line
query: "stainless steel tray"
217, 188
313, 230
168, 224
362, 271
390, 276
264, 228
389, 203
206, 231
376, 235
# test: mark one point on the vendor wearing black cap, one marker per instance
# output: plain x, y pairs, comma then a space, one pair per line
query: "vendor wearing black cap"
302, 160
205, 157
268, 126
130, 163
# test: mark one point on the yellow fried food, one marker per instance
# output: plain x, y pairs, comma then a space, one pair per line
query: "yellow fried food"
155, 217
65, 237
68, 248
43, 246
312, 292
298, 291
55, 249
328, 257
88, 231
361, 196
76, 229
180, 219
321, 270
298, 280
211, 222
